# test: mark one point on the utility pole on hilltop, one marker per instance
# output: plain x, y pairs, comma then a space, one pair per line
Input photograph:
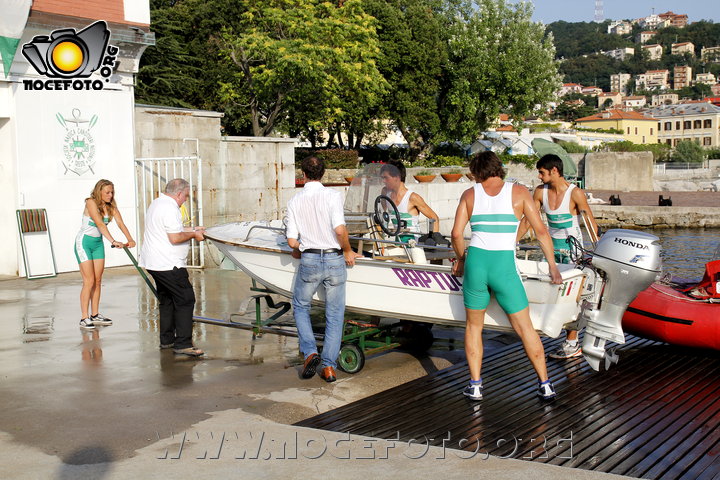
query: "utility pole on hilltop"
599, 16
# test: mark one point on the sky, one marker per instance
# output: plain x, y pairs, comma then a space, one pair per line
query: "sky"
548, 11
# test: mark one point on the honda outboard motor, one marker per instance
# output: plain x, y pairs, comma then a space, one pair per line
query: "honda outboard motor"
629, 262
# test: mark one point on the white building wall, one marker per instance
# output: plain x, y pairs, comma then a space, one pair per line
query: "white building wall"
8, 188
137, 11
44, 182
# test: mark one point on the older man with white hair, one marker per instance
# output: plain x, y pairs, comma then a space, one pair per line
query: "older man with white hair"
164, 255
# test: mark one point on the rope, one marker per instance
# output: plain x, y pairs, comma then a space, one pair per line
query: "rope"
685, 297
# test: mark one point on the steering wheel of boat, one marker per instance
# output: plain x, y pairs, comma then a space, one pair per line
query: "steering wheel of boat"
386, 215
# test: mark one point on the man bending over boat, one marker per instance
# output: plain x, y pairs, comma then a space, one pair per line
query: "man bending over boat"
317, 234
494, 208
562, 203
409, 204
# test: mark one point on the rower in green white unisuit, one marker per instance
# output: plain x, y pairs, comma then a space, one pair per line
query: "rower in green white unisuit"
100, 209
563, 204
409, 204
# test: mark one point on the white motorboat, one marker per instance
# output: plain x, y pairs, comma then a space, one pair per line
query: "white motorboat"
396, 280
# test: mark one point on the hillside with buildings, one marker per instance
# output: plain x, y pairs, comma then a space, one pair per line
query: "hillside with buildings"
654, 79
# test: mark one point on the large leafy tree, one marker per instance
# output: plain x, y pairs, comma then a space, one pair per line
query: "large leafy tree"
291, 65
499, 61
170, 70
413, 56
310, 58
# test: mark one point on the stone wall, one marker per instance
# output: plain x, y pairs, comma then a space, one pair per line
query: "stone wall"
253, 178
656, 217
619, 171
243, 178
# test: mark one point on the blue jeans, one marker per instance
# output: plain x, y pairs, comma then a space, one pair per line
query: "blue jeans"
329, 271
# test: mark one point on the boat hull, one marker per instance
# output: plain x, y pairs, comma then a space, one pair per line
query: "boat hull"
424, 293
662, 313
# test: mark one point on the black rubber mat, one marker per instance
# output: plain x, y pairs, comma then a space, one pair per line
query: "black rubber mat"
653, 415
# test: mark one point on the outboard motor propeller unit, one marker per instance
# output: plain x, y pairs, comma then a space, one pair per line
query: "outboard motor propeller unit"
629, 262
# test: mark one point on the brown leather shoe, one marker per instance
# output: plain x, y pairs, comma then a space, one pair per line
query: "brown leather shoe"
328, 374
311, 363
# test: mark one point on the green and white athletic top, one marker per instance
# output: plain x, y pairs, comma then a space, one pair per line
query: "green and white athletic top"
493, 221
412, 221
89, 228
561, 223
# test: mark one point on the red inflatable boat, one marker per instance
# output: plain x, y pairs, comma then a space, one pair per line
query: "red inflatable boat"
686, 315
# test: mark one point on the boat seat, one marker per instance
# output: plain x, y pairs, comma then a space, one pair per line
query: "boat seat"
357, 224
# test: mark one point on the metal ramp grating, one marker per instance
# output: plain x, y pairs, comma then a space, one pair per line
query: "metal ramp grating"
654, 415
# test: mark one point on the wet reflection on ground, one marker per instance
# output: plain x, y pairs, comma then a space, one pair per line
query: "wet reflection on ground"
109, 391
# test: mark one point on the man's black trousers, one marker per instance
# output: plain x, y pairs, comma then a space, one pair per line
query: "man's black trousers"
177, 303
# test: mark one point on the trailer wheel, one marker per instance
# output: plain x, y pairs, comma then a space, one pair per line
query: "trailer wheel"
351, 358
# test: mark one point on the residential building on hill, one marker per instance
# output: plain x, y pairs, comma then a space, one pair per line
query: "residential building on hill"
674, 19
653, 22
655, 51
653, 80
592, 91
620, 27
569, 88
634, 101
609, 100
683, 48
682, 76
699, 122
644, 37
710, 54
664, 99
619, 53
619, 82
706, 78
575, 103
635, 126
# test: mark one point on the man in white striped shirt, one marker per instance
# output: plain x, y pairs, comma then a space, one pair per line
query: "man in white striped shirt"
317, 234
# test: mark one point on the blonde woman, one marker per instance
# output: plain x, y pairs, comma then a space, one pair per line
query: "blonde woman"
100, 209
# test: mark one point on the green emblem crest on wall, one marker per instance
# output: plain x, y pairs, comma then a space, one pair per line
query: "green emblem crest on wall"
78, 143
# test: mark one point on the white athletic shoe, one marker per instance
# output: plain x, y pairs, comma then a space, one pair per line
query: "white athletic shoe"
567, 351
100, 320
473, 392
546, 390
87, 324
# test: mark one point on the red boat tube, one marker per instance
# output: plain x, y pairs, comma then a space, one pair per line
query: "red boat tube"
669, 314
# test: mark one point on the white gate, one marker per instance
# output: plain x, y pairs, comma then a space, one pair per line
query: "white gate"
151, 176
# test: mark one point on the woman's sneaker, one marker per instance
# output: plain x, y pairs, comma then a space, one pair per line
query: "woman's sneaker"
100, 320
87, 324
473, 392
567, 350
546, 390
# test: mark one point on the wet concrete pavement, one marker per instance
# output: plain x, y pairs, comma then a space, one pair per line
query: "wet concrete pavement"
108, 403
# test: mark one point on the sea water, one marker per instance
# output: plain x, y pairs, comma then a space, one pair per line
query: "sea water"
685, 251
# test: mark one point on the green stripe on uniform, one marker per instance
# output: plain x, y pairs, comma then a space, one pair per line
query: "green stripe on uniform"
561, 220
493, 228
494, 217
560, 225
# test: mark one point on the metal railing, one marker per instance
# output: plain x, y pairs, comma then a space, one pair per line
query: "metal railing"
152, 174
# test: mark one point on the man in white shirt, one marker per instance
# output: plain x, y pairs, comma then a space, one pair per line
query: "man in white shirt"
317, 234
164, 255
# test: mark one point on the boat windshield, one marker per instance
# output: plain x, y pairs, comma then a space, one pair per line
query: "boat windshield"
365, 187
